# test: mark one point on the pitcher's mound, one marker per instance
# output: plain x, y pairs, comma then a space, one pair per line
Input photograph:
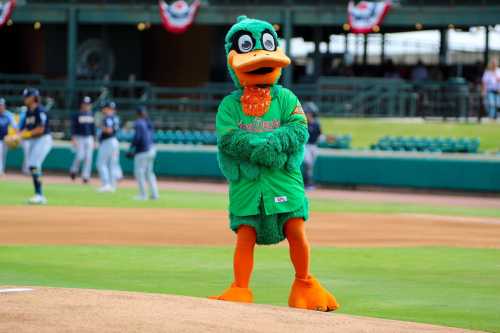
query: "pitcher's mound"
77, 310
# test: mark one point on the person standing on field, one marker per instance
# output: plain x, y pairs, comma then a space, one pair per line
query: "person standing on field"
6, 123
144, 152
25, 144
35, 128
82, 137
311, 151
109, 150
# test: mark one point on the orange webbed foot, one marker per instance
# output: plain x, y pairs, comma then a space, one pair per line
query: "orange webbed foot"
311, 295
235, 294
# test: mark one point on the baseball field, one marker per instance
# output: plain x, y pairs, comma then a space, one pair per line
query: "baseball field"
412, 257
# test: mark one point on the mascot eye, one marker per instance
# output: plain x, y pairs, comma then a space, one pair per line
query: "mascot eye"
268, 42
245, 43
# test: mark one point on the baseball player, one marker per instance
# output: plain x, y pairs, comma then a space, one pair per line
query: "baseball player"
109, 151
82, 136
311, 151
144, 153
35, 129
7, 123
25, 144
117, 169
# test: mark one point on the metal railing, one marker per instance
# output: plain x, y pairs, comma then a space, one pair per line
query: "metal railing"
194, 108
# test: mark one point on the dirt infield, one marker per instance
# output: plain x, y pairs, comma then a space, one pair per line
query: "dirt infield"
135, 226
46, 310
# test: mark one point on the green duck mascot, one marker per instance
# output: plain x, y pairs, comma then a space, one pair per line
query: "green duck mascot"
261, 131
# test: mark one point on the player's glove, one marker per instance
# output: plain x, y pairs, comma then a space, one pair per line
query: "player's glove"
12, 141
26, 134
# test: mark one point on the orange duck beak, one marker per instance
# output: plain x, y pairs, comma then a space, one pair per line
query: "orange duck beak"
258, 67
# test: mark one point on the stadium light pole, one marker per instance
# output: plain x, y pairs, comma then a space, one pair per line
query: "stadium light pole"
317, 52
382, 48
365, 49
443, 46
486, 45
71, 54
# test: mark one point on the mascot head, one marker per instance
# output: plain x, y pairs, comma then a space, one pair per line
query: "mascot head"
254, 57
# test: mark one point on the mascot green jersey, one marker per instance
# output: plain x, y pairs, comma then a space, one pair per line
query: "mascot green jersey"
262, 130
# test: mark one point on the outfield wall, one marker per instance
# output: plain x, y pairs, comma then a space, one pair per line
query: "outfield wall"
425, 171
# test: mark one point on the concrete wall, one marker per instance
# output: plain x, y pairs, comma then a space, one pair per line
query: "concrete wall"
347, 169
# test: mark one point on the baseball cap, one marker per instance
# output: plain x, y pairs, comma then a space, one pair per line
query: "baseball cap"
87, 100
109, 104
29, 92
2, 101
310, 107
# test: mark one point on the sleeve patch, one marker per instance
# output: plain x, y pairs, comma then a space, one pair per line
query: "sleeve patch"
298, 110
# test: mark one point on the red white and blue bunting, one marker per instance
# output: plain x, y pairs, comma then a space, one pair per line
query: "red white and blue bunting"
367, 16
179, 16
6, 9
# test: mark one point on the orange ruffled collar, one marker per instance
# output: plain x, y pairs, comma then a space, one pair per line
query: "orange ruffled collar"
256, 101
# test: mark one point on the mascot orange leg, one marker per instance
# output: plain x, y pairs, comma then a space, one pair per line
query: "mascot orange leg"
243, 266
307, 292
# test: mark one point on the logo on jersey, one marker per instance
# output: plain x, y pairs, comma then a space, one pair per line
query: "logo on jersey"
258, 125
85, 119
30, 120
280, 199
298, 110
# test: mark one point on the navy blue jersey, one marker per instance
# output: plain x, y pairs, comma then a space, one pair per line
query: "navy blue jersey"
38, 117
314, 132
82, 123
6, 120
110, 122
143, 136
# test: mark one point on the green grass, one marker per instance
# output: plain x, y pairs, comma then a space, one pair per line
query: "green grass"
452, 287
367, 131
16, 193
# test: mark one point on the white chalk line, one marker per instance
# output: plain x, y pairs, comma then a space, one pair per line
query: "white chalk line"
14, 290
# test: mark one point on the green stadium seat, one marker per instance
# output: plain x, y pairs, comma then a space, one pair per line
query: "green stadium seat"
415, 144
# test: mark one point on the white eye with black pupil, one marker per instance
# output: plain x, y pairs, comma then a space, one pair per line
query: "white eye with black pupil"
268, 42
245, 43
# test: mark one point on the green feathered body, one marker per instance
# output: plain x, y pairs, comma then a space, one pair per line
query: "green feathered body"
261, 158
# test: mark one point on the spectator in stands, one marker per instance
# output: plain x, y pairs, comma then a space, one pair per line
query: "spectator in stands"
144, 153
490, 86
311, 110
419, 72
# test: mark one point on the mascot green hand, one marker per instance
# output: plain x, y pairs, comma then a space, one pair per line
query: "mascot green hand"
261, 132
